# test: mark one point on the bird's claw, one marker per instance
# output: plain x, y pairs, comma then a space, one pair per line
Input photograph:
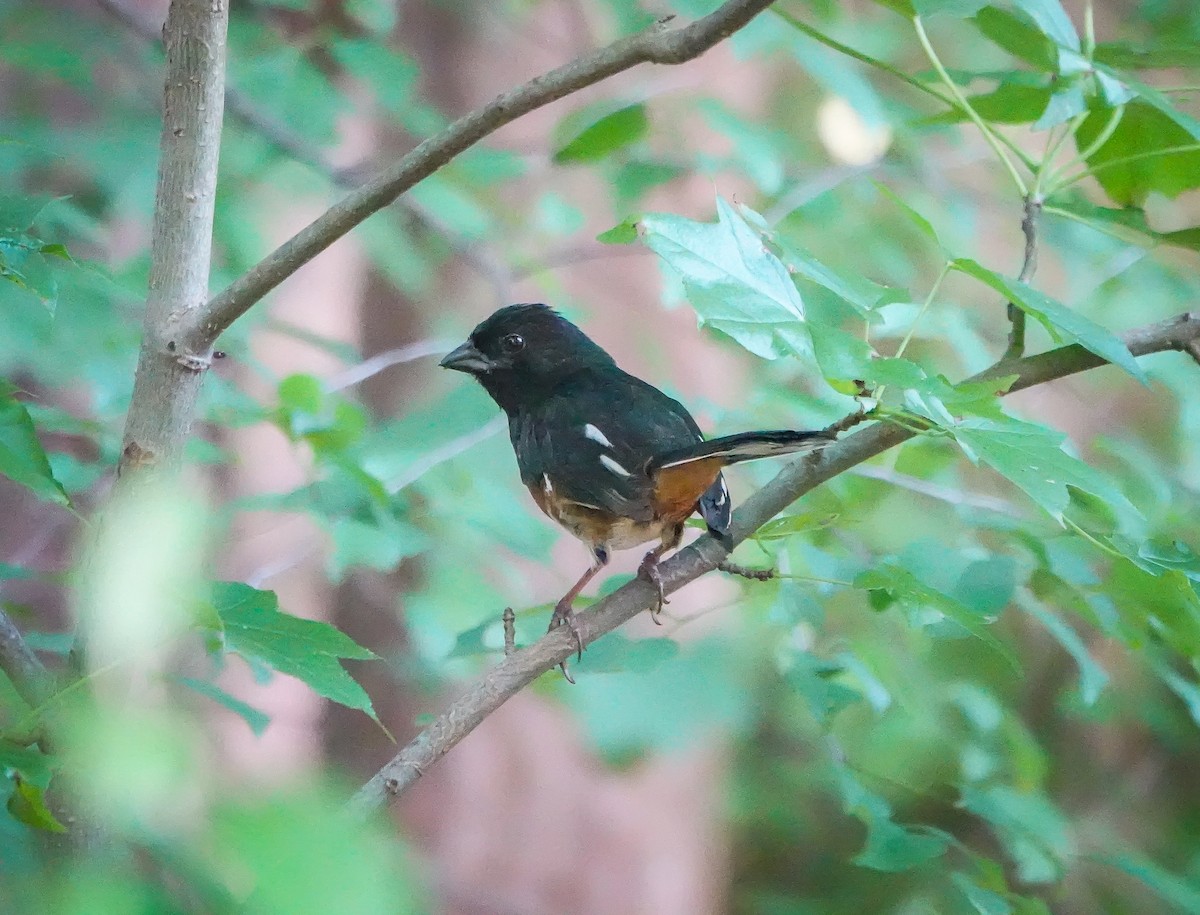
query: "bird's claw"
564, 614
649, 571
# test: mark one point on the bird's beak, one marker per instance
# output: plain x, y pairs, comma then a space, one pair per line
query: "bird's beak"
467, 359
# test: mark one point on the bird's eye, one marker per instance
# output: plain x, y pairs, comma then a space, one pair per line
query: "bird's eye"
512, 343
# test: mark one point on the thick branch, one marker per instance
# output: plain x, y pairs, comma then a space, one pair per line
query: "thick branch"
169, 372
800, 477
17, 660
658, 44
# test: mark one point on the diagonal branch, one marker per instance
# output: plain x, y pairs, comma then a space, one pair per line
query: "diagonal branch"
523, 666
657, 44
30, 678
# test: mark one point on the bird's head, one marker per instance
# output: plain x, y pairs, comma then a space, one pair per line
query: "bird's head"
524, 352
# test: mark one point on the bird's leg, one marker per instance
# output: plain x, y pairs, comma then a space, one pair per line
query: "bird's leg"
564, 612
649, 571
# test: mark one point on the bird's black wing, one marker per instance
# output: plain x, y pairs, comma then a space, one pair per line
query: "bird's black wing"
592, 440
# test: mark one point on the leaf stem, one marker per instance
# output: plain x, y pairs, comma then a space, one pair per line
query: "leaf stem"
1124, 160
988, 134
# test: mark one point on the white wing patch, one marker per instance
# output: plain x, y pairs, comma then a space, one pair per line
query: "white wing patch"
547, 486
723, 495
592, 432
614, 466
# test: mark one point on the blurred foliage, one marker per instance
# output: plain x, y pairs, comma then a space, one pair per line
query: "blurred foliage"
975, 685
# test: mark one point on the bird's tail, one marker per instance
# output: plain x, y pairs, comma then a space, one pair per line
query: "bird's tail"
743, 446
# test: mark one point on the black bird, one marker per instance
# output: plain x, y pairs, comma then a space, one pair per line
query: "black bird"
611, 458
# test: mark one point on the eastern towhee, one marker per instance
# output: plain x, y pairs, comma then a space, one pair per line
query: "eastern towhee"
611, 458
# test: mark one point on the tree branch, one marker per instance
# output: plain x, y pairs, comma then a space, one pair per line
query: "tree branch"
523, 666
169, 372
658, 44
30, 678
1016, 317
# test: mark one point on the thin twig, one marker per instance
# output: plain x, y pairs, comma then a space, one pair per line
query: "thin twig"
510, 631
658, 44
732, 568
280, 135
29, 676
356, 374
519, 669
1016, 316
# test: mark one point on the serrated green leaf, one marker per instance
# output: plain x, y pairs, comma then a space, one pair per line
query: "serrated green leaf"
735, 283
22, 459
900, 584
1128, 165
1057, 318
604, 136
308, 650
1032, 457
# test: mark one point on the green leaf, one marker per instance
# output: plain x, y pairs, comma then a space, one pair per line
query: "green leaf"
735, 283
308, 650
1032, 457
782, 528
984, 901
1056, 317
257, 720
900, 584
17, 213
623, 233
22, 459
987, 585
1018, 36
27, 803
1179, 892
1035, 834
959, 9
1131, 164
1014, 101
890, 846
923, 224
1053, 20
813, 679
1092, 677
603, 136
1165, 54
1063, 105
378, 544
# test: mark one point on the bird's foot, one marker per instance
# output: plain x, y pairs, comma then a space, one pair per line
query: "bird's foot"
564, 615
649, 571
